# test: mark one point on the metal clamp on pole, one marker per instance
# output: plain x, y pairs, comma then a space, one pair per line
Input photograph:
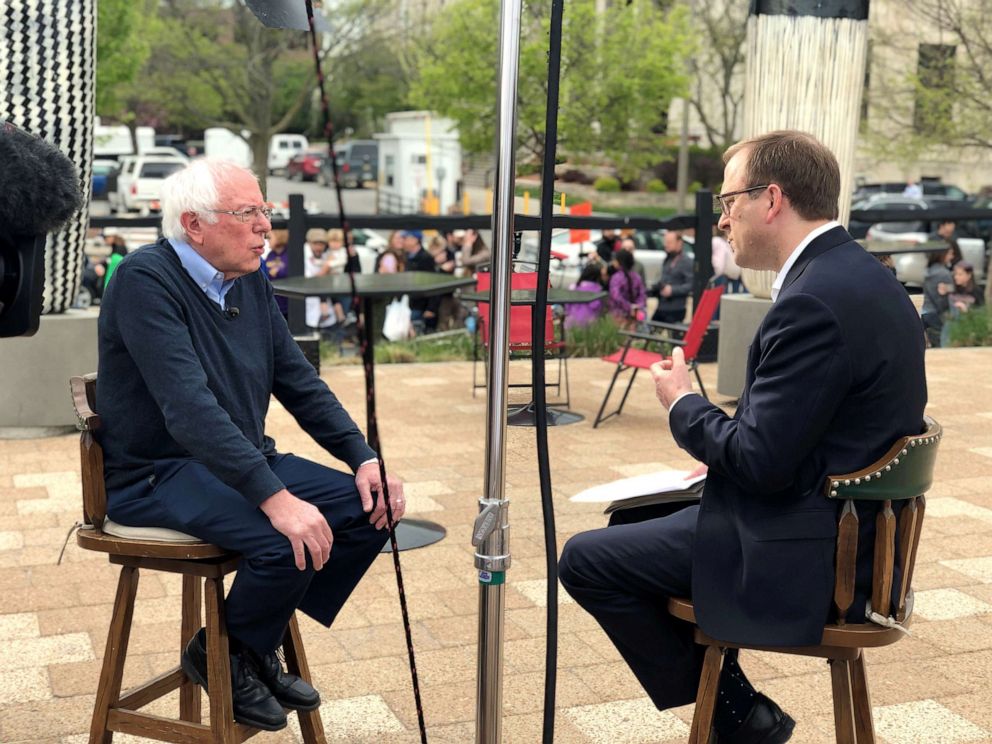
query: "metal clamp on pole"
491, 534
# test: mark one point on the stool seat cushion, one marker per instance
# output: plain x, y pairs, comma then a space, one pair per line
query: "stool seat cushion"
158, 534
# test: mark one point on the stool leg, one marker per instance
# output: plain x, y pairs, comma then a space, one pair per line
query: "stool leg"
189, 691
863, 725
709, 683
222, 726
311, 726
840, 677
109, 690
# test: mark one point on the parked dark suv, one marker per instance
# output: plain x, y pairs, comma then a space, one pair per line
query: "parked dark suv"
358, 162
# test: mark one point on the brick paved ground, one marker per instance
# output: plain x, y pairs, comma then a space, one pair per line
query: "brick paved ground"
932, 687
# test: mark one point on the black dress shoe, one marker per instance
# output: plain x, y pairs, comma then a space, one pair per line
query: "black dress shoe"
765, 724
291, 691
252, 701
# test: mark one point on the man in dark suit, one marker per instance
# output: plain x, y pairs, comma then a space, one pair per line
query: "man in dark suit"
834, 376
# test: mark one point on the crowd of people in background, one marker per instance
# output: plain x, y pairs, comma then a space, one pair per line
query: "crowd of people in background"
949, 287
613, 267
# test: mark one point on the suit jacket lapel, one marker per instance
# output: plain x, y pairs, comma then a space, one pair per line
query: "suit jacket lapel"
819, 246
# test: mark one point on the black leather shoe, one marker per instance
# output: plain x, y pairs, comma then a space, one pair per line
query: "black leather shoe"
252, 701
765, 724
291, 691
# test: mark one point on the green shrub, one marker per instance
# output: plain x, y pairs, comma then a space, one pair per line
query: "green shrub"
429, 348
656, 186
606, 183
694, 187
596, 339
330, 355
973, 328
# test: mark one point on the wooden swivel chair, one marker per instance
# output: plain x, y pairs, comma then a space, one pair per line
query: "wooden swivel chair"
200, 564
689, 337
903, 474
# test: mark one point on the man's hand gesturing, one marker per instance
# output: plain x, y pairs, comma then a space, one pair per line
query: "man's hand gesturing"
671, 378
369, 484
303, 525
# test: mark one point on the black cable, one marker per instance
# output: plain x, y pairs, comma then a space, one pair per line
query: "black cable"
538, 377
364, 331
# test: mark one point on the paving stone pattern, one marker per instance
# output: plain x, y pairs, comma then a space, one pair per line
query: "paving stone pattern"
933, 687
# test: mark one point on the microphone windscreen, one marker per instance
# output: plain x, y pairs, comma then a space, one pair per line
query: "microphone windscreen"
39, 185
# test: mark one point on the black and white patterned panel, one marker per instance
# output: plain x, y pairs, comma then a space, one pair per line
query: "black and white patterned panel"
47, 81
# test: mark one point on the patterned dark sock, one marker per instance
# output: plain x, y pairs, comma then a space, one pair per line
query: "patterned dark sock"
735, 697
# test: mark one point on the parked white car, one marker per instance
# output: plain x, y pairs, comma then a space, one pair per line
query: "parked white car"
139, 182
568, 258
911, 268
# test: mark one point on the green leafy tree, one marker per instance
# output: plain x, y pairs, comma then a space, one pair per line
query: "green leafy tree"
212, 63
121, 49
642, 66
619, 71
364, 84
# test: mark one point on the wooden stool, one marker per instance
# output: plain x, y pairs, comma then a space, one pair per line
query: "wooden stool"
904, 473
202, 566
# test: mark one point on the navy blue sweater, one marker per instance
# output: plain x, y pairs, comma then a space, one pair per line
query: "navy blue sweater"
180, 378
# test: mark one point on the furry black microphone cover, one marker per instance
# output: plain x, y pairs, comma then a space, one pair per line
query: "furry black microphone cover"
39, 186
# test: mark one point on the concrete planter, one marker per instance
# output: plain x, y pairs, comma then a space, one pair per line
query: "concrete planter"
758, 283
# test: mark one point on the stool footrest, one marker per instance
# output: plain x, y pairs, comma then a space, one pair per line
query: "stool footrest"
157, 727
152, 690
169, 729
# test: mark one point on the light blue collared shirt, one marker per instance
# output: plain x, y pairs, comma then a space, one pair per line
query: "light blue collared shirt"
206, 276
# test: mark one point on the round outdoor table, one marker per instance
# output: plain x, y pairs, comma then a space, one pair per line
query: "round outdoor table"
410, 533
526, 415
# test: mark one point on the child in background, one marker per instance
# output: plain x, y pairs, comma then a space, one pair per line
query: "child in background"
579, 315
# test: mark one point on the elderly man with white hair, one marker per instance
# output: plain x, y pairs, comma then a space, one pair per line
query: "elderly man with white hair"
191, 348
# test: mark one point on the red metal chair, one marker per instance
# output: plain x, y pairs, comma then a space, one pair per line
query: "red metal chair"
689, 337
520, 339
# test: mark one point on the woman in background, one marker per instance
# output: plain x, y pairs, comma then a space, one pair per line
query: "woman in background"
118, 249
628, 298
936, 287
393, 259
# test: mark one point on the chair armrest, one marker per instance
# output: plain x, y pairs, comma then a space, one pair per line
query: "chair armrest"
642, 336
681, 327
652, 337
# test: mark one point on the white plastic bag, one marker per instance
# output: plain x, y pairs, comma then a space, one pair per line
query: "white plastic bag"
396, 326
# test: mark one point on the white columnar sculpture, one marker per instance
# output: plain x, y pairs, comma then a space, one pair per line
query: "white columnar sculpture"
806, 71
47, 81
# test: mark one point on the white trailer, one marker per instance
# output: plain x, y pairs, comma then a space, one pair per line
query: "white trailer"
219, 142
111, 142
282, 147
420, 163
